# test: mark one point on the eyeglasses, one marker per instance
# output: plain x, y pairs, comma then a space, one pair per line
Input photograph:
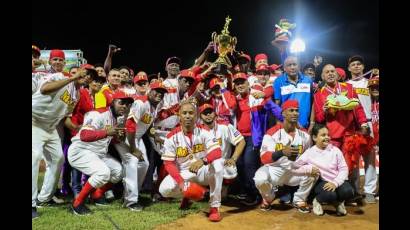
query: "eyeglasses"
207, 112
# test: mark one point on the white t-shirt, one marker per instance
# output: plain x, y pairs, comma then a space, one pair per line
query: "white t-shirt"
185, 151
362, 90
48, 110
227, 135
276, 137
95, 120
143, 114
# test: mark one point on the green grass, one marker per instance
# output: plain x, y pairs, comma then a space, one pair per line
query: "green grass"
107, 217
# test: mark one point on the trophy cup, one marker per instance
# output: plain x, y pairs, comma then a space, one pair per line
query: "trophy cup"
283, 33
224, 44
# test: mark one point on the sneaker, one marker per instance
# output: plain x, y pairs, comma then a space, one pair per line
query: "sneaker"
265, 206
109, 195
57, 200
81, 210
301, 207
241, 196
50, 203
250, 201
34, 213
185, 204
214, 215
285, 199
317, 208
340, 209
101, 201
136, 207
156, 197
369, 198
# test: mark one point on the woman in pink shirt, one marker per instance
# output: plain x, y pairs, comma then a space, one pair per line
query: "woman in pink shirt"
332, 186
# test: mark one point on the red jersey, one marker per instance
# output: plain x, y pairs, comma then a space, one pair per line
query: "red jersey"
343, 122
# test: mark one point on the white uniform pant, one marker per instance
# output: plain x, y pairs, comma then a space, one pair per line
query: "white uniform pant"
370, 178
135, 170
211, 175
268, 178
47, 144
102, 168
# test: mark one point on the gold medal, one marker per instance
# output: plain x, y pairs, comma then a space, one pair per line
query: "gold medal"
152, 131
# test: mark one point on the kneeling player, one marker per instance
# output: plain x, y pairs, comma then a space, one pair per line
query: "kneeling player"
88, 152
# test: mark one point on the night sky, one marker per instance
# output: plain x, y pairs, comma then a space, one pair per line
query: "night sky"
150, 33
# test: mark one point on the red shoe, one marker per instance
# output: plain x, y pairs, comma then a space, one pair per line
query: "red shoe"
214, 215
185, 203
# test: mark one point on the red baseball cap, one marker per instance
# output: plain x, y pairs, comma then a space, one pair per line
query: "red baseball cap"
214, 82
239, 76
35, 49
274, 67
260, 56
57, 53
187, 73
263, 68
141, 76
121, 95
205, 106
87, 66
91, 70
158, 85
341, 73
173, 60
290, 104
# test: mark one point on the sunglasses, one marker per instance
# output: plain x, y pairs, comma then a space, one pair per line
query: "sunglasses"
207, 112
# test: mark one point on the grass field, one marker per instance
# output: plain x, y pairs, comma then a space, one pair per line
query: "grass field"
113, 216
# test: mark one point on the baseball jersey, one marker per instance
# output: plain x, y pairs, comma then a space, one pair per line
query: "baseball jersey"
276, 137
143, 115
36, 80
226, 136
95, 120
48, 110
171, 98
362, 90
185, 150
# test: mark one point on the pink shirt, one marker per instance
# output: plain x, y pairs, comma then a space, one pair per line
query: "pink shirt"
330, 162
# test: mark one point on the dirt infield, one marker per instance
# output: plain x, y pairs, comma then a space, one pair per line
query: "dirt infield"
281, 217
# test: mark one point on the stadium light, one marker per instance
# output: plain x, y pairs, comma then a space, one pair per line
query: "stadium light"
297, 46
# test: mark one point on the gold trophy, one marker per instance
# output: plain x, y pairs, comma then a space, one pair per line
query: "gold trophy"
225, 44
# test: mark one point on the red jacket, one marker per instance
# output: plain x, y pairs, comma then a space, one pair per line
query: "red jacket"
243, 116
343, 122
